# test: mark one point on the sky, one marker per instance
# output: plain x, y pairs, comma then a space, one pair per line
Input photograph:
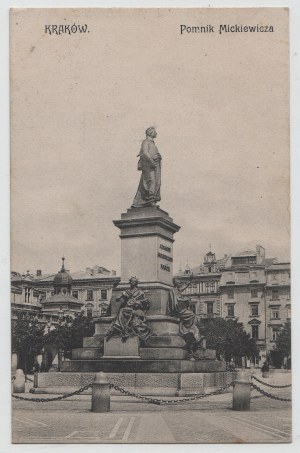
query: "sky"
80, 105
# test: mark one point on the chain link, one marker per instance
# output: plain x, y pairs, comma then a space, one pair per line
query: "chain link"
58, 398
269, 395
161, 402
272, 385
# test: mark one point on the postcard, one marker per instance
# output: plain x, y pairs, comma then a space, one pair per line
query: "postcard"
150, 225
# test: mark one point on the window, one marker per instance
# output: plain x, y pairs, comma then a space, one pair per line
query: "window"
27, 294
75, 294
206, 287
103, 309
230, 293
275, 333
209, 268
288, 314
104, 294
254, 293
212, 287
289, 294
275, 294
275, 313
230, 310
210, 308
52, 293
89, 312
254, 310
255, 331
89, 294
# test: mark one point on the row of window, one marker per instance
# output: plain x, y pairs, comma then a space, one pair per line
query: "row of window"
254, 310
254, 294
275, 312
89, 294
201, 287
275, 294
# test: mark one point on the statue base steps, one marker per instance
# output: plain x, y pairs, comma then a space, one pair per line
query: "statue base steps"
160, 384
127, 365
144, 353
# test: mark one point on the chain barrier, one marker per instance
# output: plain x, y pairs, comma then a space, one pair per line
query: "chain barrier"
28, 379
269, 395
58, 398
272, 385
149, 399
162, 402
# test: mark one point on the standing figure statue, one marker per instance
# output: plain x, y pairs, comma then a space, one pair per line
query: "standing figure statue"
188, 327
148, 193
131, 320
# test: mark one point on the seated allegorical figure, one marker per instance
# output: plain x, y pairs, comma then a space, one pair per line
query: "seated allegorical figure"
188, 326
130, 320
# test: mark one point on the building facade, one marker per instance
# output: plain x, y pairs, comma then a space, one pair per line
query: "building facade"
204, 286
248, 287
278, 302
242, 293
63, 293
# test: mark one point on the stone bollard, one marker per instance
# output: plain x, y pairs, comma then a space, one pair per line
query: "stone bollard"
19, 382
100, 393
241, 392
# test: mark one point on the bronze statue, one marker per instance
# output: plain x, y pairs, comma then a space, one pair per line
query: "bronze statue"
131, 320
188, 327
148, 193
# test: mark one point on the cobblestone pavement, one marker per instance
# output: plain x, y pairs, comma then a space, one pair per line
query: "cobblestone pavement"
208, 421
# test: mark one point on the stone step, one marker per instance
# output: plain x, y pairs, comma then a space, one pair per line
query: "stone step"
142, 383
144, 366
87, 353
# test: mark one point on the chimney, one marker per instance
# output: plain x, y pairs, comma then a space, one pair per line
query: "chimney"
38, 273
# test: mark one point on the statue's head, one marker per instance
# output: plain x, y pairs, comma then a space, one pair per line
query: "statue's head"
133, 281
151, 132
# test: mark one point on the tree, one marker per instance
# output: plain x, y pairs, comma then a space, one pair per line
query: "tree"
27, 337
283, 342
69, 334
229, 339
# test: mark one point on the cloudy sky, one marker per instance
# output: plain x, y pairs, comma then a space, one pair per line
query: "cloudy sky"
79, 108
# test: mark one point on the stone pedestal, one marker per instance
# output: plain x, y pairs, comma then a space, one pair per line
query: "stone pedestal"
115, 348
146, 253
147, 245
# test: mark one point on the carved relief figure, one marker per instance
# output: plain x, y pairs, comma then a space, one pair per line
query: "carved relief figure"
131, 320
188, 327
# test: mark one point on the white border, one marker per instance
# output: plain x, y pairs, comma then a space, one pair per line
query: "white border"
5, 409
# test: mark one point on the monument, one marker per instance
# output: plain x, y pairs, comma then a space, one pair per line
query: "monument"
149, 341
